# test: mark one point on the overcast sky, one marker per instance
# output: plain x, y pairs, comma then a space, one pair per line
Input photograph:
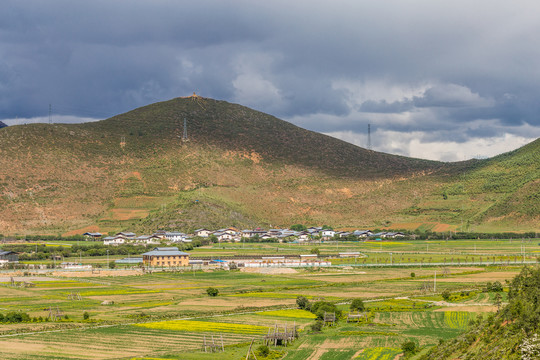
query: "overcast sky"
439, 80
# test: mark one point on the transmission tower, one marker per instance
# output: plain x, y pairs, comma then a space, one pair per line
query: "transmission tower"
184, 136
369, 136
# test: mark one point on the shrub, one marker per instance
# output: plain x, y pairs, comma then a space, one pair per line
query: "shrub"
263, 350
494, 287
211, 291
357, 305
446, 295
86, 315
409, 348
413, 275
317, 326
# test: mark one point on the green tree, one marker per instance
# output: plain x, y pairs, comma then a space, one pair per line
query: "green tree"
446, 295
211, 291
299, 227
317, 326
303, 303
409, 348
320, 307
357, 305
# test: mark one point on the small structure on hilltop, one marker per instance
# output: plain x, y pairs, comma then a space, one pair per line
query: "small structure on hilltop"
165, 257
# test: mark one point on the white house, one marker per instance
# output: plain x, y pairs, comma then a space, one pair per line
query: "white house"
223, 236
202, 233
327, 233
148, 239
114, 240
174, 236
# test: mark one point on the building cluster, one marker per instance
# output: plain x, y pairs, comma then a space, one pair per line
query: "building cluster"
231, 234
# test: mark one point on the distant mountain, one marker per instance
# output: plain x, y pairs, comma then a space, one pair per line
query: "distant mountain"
240, 167
2, 125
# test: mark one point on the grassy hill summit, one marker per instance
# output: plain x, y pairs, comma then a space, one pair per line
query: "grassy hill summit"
240, 167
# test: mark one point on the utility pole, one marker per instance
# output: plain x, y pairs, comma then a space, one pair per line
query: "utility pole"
184, 136
369, 136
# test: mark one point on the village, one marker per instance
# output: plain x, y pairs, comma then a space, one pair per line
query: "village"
312, 234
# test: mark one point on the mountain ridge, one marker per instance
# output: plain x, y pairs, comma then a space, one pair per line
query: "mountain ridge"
242, 167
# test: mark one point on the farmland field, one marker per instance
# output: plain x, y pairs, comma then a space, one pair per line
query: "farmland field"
169, 315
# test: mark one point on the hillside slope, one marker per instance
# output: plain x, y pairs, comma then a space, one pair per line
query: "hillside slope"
509, 334
239, 167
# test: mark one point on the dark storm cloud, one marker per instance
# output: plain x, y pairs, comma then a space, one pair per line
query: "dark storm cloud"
457, 70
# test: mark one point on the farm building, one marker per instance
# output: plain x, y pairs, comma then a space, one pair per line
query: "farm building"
166, 257
92, 235
8, 256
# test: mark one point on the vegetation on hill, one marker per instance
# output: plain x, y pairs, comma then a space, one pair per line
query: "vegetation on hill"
511, 333
244, 168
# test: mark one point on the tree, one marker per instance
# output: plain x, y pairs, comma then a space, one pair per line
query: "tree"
86, 315
303, 303
315, 251
498, 300
211, 291
320, 307
299, 227
409, 347
317, 326
357, 305
446, 295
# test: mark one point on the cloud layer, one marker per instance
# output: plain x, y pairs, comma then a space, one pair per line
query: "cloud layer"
435, 80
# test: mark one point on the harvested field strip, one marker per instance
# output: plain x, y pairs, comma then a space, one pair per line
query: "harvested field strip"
274, 295
205, 326
59, 284
291, 313
127, 291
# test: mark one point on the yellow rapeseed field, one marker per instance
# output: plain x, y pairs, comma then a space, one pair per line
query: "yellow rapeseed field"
205, 326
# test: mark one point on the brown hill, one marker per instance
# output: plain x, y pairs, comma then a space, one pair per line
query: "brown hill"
239, 167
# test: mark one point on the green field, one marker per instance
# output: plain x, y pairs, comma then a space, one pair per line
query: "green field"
168, 314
